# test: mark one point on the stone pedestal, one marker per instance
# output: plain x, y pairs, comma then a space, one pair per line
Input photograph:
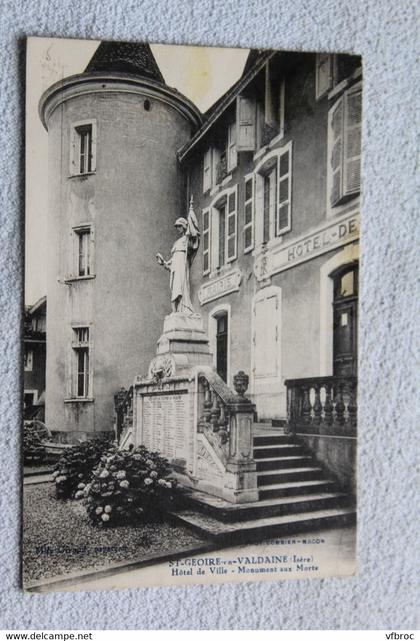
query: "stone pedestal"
183, 345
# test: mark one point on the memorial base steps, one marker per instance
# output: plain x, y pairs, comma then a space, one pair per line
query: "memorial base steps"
295, 495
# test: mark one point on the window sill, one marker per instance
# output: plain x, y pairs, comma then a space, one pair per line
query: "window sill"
276, 140
79, 400
344, 84
260, 153
87, 173
75, 279
226, 180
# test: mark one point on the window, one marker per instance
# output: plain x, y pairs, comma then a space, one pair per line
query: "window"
207, 170
273, 201
28, 360
273, 125
81, 352
83, 246
332, 69
220, 227
83, 148
249, 214
84, 252
206, 241
232, 157
344, 144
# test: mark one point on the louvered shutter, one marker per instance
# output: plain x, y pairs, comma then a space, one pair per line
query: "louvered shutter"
249, 214
232, 225
245, 108
336, 118
284, 191
353, 139
93, 148
323, 74
206, 241
73, 151
207, 170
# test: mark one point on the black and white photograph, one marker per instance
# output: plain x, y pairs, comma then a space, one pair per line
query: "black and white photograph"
191, 314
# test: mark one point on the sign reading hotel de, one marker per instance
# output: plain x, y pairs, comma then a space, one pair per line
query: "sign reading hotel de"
335, 234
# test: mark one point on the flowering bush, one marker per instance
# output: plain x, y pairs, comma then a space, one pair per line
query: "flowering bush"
75, 467
127, 486
35, 434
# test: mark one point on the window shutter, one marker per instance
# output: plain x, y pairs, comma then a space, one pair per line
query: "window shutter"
249, 215
93, 148
245, 108
232, 223
232, 154
206, 241
73, 151
353, 139
284, 191
207, 170
323, 76
336, 117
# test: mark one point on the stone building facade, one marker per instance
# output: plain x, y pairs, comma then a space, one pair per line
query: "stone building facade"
275, 173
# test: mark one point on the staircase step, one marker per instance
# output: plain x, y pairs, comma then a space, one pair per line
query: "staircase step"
271, 438
285, 449
297, 488
225, 511
269, 477
281, 462
263, 528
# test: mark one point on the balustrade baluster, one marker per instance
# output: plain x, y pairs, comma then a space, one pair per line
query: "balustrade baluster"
208, 402
215, 413
223, 422
317, 405
352, 406
328, 406
339, 405
306, 406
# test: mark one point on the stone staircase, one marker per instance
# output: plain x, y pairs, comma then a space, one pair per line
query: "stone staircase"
295, 495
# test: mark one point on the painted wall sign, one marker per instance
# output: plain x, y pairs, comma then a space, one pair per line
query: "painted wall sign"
220, 286
334, 234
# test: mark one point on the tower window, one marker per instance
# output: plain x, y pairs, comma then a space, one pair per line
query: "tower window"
81, 362
83, 250
83, 148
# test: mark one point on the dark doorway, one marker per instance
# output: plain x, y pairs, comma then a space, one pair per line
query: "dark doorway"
345, 321
222, 346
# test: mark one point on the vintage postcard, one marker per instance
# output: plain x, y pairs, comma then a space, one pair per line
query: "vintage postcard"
190, 343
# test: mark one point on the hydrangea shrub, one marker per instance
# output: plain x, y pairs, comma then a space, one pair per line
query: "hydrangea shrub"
76, 465
129, 486
35, 434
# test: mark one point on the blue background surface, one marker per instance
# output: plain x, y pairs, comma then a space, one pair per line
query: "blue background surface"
382, 594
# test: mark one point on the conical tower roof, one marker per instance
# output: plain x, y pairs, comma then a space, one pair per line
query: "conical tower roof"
125, 57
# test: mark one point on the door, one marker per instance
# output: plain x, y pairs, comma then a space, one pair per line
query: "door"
222, 346
345, 321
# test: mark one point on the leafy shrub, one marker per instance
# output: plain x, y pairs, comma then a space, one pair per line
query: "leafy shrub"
76, 465
35, 434
129, 485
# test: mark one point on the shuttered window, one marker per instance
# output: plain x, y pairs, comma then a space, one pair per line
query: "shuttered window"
323, 74
245, 118
206, 241
249, 214
232, 156
352, 141
284, 191
345, 122
207, 170
232, 224
83, 148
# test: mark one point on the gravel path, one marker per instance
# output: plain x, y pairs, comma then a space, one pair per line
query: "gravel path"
58, 537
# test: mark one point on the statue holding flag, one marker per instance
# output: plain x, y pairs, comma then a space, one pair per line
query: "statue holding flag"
183, 253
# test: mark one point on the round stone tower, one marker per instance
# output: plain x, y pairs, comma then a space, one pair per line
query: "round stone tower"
115, 191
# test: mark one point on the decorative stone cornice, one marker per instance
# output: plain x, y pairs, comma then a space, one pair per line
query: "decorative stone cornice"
91, 83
